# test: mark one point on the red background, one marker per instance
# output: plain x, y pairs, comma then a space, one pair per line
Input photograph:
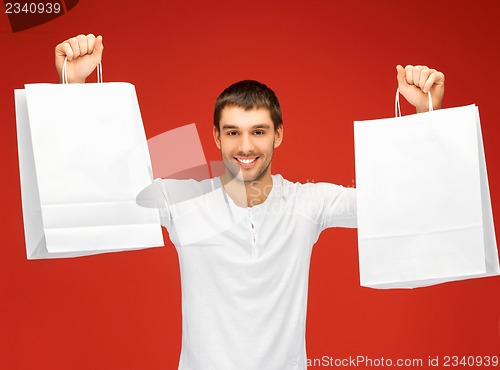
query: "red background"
330, 62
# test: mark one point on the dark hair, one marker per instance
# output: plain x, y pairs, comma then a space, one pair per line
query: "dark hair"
249, 94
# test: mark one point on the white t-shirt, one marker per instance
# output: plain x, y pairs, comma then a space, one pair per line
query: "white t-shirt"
244, 271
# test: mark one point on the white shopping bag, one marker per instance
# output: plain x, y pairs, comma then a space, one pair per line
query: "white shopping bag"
424, 210
83, 160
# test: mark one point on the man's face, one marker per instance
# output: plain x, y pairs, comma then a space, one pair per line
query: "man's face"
247, 140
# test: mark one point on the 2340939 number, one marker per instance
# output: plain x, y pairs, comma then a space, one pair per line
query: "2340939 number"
32, 8
472, 361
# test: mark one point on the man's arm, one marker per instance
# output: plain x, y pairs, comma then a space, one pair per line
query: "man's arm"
84, 54
415, 82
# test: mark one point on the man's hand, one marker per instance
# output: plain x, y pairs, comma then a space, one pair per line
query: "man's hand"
415, 82
84, 55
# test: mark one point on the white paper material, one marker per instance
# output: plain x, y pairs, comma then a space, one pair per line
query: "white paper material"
424, 211
83, 161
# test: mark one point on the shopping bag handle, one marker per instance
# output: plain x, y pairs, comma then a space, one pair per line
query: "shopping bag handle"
65, 73
397, 108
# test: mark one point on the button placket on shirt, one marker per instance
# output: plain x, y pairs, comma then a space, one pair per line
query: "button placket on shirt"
254, 233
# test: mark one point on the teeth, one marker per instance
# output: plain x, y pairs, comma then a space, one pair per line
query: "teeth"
246, 161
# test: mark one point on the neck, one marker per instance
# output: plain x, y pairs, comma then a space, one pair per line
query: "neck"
247, 194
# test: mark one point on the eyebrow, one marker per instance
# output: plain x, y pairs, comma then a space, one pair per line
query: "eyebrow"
231, 127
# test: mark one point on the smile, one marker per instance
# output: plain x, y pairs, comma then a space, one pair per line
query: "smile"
246, 161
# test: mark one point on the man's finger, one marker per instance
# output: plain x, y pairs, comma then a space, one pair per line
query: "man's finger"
90, 43
82, 44
409, 74
73, 42
64, 49
439, 78
416, 71
424, 75
430, 82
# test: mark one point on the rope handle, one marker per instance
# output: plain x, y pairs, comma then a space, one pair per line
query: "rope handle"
397, 107
65, 73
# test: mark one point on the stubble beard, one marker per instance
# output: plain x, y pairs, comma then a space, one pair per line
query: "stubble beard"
236, 172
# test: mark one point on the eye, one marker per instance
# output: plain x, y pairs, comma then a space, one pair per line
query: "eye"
232, 133
259, 132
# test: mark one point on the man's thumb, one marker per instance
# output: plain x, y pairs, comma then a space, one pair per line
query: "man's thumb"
98, 46
401, 76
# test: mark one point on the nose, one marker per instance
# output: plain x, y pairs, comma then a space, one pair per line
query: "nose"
246, 145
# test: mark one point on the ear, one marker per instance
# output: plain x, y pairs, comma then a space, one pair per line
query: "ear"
278, 136
216, 134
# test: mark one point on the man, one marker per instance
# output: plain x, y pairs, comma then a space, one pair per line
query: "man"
244, 239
